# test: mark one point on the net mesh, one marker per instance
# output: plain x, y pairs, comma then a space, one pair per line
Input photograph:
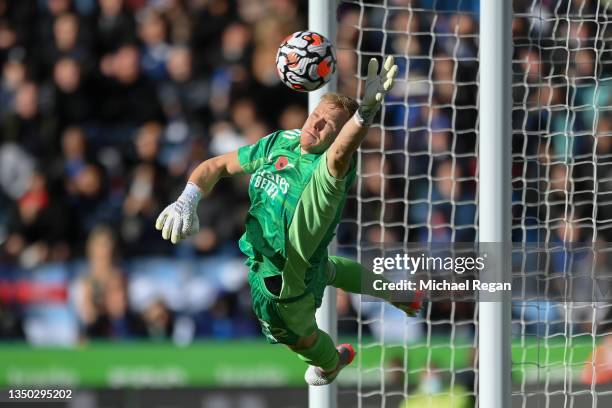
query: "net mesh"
418, 183
561, 124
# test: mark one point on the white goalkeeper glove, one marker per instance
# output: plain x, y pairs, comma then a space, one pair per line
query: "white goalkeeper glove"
376, 87
180, 219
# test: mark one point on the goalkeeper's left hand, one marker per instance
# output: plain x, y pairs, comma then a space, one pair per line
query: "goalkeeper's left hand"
376, 87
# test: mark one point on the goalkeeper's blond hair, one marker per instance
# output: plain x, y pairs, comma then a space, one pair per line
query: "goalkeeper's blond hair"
345, 103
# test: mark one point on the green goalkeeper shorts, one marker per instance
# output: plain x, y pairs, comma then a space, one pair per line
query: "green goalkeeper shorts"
286, 320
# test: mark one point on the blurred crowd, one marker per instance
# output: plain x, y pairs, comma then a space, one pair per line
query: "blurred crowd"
106, 106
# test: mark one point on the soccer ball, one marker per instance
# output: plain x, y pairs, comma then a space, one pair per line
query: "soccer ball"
305, 61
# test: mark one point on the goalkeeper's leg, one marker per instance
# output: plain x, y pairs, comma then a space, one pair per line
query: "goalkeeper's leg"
324, 359
293, 323
313, 345
352, 277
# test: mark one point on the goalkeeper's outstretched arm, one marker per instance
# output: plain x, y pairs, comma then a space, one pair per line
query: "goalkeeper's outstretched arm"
208, 173
353, 132
180, 219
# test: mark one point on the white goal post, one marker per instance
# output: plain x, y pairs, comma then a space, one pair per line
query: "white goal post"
495, 198
322, 19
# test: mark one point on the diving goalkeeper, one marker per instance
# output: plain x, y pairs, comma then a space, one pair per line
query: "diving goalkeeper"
300, 179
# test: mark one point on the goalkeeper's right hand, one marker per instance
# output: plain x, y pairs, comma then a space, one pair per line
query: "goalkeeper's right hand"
180, 219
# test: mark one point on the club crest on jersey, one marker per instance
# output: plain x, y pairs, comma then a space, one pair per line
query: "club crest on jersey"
281, 163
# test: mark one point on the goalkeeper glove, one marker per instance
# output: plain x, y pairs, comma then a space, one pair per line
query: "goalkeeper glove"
376, 86
179, 219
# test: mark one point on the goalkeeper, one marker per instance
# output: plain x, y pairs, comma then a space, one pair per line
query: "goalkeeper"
300, 179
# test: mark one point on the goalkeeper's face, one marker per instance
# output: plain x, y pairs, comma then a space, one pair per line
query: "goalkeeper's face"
322, 126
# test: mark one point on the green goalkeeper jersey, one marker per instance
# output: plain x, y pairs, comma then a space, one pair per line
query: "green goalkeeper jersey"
296, 205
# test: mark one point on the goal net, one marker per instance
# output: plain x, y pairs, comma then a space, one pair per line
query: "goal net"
418, 173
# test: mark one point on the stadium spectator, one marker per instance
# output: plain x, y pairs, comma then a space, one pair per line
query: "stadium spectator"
176, 13
89, 203
118, 321
101, 294
126, 98
28, 126
69, 40
16, 168
38, 228
71, 102
74, 157
15, 27
158, 320
114, 26
13, 75
210, 20
153, 31
184, 97
147, 188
